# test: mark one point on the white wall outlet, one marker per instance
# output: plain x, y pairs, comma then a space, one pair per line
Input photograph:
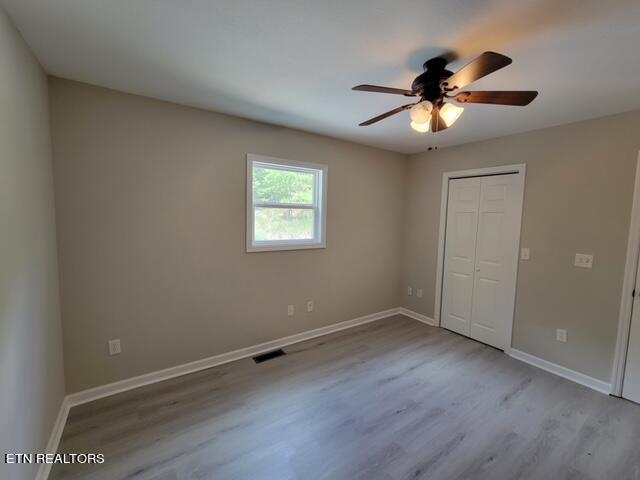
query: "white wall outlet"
561, 335
409, 291
114, 347
583, 260
419, 293
290, 310
310, 306
525, 253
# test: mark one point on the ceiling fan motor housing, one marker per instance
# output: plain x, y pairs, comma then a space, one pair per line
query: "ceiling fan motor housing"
427, 84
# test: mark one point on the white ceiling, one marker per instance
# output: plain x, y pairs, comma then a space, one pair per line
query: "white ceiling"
293, 62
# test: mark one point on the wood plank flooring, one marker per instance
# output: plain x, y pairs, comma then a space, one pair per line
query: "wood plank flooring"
393, 399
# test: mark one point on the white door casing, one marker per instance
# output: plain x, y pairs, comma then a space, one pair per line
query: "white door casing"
629, 286
481, 245
631, 382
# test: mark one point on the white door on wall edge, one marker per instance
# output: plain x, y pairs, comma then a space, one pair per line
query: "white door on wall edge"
481, 255
631, 382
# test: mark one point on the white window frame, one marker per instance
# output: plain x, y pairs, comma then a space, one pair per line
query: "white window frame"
319, 205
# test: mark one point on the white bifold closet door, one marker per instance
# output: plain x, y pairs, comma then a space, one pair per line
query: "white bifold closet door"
481, 255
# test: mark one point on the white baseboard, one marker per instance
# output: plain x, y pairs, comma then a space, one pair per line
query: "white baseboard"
417, 316
172, 372
551, 367
102, 391
186, 368
54, 438
561, 371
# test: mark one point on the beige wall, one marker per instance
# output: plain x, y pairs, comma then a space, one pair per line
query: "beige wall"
31, 371
151, 216
578, 194
151, 213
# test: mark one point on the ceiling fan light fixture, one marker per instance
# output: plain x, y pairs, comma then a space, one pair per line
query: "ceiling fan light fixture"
434, 86
450, 113
421, 112
421, 127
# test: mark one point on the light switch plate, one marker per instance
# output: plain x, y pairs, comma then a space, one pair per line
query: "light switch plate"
409, 291
525, 254
419, 293
290, 310
583, 260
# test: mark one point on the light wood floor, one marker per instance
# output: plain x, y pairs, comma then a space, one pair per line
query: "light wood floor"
393, 399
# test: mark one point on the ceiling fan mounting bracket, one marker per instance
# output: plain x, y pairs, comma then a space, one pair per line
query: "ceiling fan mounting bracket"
436, 63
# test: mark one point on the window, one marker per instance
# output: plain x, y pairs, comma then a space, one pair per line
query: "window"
286, 204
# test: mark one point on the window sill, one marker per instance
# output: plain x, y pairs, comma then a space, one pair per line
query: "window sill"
276, 248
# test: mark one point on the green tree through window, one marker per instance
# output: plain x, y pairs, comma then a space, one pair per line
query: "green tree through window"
272, 185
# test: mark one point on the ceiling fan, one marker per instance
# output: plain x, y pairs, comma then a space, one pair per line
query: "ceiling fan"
437, 85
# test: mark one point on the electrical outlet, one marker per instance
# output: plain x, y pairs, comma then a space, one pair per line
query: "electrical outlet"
561, 335
419, 293
525, 253
290, 310
310, 306
114, 347
583, 260
409, 291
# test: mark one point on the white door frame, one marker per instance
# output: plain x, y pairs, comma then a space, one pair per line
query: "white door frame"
628, 284
519, 170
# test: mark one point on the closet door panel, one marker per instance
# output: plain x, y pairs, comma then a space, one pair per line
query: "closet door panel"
496, 260
460, 251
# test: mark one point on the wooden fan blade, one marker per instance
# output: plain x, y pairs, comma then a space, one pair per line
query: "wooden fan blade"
378, 89
437, 123
481, 66
498, 98
386, 114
